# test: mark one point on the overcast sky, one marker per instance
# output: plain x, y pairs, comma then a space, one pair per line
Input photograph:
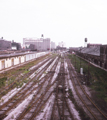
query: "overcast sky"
69, 21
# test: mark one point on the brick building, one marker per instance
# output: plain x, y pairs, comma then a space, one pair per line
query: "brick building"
4, 44
96, 54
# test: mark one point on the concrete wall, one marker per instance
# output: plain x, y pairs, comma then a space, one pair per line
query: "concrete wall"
8, 62
16, 60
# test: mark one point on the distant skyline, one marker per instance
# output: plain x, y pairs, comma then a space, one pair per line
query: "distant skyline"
70, 21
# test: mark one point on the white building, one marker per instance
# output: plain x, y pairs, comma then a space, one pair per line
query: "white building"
40, 44
53, 45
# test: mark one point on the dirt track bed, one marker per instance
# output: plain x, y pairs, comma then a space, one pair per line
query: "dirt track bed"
51, 91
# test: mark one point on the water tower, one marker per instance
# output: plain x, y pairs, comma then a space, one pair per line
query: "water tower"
85, 42
42, 36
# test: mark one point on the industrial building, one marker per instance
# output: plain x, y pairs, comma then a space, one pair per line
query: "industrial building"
15, 46
4, 44
39, 44
95, 53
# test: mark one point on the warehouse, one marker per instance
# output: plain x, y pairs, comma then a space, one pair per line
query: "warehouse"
13, 60
95, 54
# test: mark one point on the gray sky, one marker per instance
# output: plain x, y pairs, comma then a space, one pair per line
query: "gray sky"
69, 21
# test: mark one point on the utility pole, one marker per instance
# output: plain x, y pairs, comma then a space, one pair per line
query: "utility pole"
80, 62
88, 71
75, 61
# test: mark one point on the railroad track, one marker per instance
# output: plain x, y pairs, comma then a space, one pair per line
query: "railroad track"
46, 95
60, 110
22, 94
21, 77
93, 109
40, 98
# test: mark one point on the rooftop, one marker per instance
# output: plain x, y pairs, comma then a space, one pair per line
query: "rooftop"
91, 50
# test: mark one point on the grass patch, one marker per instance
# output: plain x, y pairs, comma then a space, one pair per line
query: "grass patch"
21, 69
26, 71
2, 81
95, 76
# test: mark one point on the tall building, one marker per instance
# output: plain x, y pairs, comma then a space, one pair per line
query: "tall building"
40, 44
